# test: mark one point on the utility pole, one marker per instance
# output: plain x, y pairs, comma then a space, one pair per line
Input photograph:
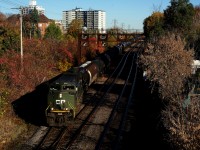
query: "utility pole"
21, 37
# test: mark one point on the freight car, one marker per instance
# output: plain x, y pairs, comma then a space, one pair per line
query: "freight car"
66, 92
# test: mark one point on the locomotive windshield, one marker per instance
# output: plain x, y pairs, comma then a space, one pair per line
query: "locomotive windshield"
55, 87
64, 87
68, 87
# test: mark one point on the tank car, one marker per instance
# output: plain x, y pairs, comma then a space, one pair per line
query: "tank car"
125, 44
116, 50
106, 59
111, 53
92, 71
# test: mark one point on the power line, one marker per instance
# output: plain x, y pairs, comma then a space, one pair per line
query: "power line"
5, 8
6, 4
10, 3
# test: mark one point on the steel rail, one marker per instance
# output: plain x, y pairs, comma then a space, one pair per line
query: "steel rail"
101, 139
124, 116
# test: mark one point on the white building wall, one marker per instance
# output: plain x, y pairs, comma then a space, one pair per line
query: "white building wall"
101, 16
93, 19
67, 18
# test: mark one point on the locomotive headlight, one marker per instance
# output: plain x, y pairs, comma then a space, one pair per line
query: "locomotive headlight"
52, 108
60, 95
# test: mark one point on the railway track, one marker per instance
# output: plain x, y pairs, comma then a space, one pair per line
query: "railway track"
96, 120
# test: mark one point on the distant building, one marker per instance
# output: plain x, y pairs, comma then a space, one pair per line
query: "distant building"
43, 24
30, 8
59, 24
92, 19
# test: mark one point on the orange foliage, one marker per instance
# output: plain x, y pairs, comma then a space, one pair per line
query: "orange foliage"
40, 62
95, 45
168, 64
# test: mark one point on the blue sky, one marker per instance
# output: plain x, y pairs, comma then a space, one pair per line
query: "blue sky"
128, 14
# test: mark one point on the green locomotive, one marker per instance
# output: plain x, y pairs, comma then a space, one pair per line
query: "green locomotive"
65, 93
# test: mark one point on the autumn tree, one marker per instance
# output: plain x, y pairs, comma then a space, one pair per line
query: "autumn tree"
75, 27
93, 48
182, 121
196, 18
63, 56
9, 38
30, 25
168, 66
42, 59
153, 25
179, 15
2, 17
53, 32
34, 19
196, 32
27, 26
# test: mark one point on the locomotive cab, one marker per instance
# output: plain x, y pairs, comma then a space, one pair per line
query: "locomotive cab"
65, 94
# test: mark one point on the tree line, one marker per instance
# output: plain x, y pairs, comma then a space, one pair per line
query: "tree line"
173, 42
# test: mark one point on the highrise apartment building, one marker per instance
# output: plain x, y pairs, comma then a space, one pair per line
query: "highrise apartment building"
92, 19
30, 8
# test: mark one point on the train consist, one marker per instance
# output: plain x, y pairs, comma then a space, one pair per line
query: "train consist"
65, 93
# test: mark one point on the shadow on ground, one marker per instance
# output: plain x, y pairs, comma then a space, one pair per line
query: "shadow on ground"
31, 107
147, 131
